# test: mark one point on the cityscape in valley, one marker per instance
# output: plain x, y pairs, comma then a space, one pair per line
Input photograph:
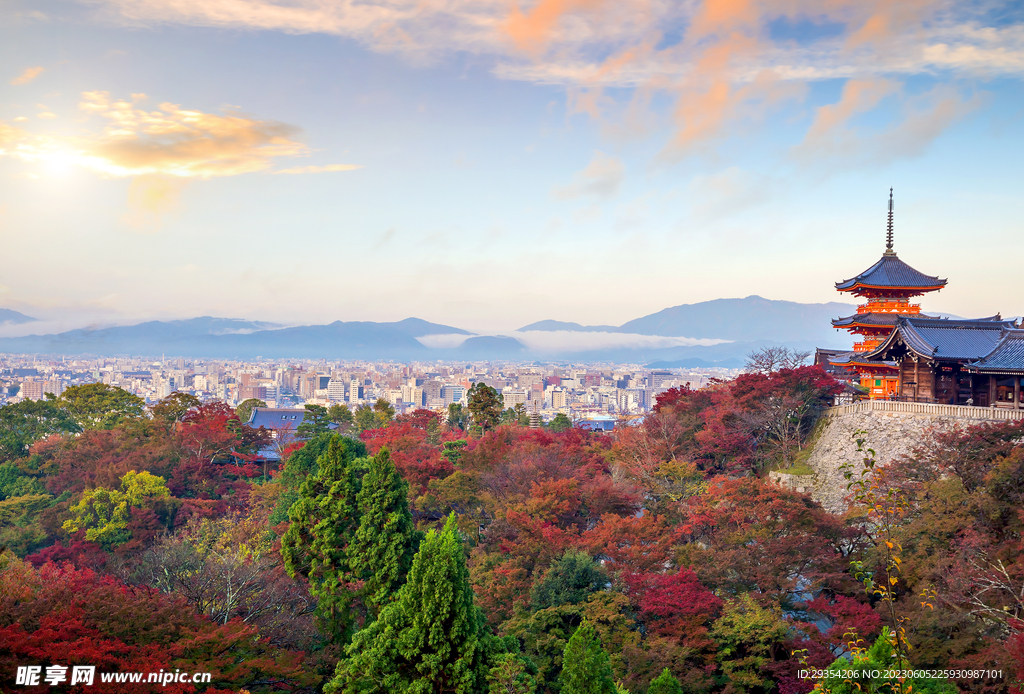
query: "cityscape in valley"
580, 391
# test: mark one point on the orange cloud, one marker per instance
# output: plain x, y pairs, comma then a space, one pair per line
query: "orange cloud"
714, 98
717, 16
168, 141
27, 76
887, 20
859, 96
531, 31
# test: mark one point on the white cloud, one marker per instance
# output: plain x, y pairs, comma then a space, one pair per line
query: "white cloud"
445, 341
728, 192
601, 177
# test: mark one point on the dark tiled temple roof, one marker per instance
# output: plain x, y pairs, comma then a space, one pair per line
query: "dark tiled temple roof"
947, 339
276, 418
879, 319
825, 358
284, 422
1008, 355
891, 272
852, 358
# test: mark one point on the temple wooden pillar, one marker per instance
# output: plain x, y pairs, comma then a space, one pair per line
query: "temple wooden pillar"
917, 377
1016, 393
992, 390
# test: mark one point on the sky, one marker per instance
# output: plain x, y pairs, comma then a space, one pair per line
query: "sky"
488, 164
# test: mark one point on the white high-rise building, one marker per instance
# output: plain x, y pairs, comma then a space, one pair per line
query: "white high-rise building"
336, 390
514, 396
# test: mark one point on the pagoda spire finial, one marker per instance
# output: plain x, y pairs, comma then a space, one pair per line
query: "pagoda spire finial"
888, 233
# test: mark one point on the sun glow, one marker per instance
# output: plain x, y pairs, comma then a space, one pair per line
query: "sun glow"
59, 163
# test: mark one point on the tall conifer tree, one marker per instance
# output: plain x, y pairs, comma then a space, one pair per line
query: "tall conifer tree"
665, 683
385, 542
427, 640
324, 521
585, 666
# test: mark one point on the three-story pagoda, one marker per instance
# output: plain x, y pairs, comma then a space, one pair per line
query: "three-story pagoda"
888, 286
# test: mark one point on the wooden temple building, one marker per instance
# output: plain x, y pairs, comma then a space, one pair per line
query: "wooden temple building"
908, 355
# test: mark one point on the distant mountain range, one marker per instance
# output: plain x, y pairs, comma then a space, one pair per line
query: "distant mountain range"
727, 328
752, 318
553, 325
9, 316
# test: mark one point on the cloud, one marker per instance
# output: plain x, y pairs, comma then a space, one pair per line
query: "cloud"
920, 120
179, 142
858, 96
27, 76
385, 238
413, 27
166, 141
718, 61
569, 41
728, 192
319, 169
601, 177
443, 341
9, 135
532, 30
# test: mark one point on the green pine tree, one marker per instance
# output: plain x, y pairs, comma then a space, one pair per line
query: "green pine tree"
665, 683
508, 675
324, 521
386, 539
585, 666
426, 640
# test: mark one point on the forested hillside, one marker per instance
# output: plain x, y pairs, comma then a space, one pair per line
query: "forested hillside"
475, 554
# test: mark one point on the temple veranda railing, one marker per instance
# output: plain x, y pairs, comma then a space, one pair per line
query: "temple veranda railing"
928, 409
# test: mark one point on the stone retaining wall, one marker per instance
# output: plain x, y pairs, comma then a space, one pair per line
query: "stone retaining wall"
892, 429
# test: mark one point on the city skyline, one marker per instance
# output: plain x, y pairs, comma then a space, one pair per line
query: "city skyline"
488, 165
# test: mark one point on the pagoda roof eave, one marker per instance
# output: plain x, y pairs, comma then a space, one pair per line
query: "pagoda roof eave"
890, 273
875, 320
854, 288
854, 359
